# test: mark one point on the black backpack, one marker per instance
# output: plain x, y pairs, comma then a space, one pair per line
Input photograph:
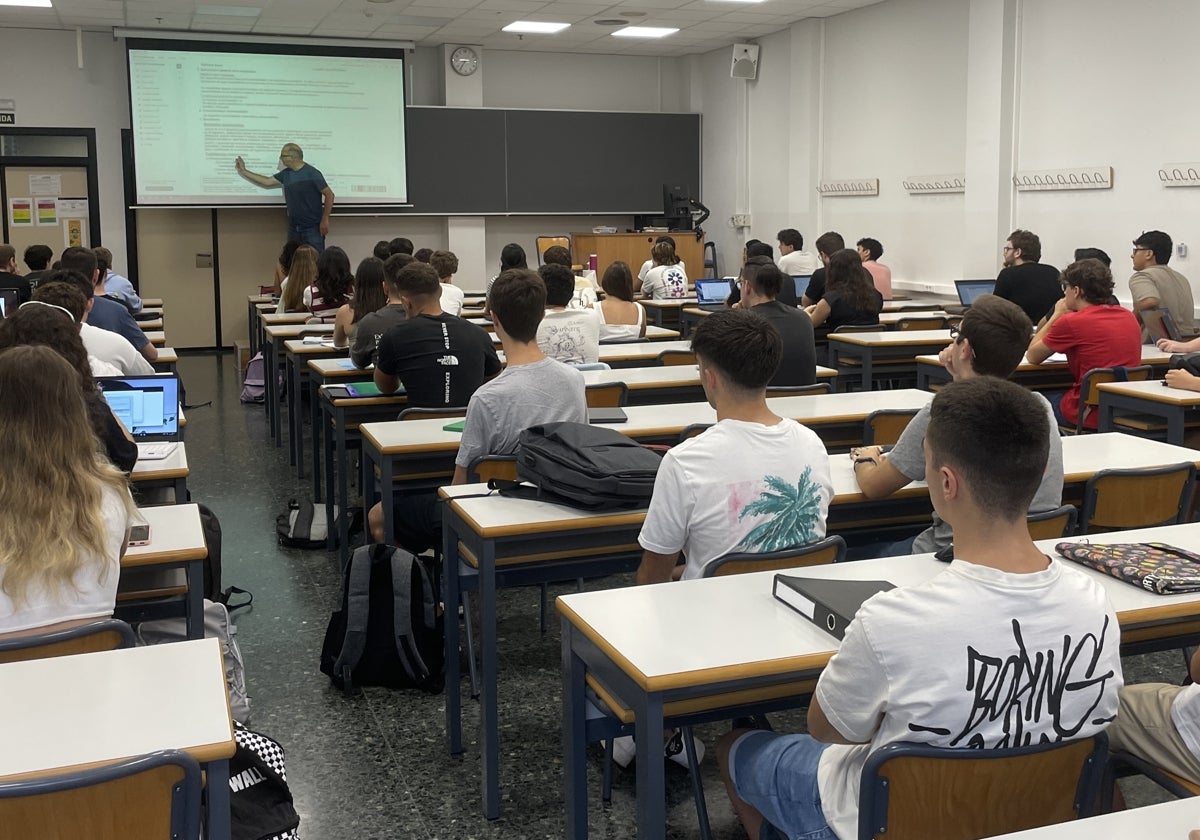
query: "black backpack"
584, 466
304, 525
260, 801
389, 631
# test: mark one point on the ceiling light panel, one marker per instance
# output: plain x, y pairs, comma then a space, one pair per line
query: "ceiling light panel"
535, 27
645, 31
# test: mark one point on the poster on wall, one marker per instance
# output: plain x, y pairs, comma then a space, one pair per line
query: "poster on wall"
75, 233
20, 211
45, 183
47, 211
71, 208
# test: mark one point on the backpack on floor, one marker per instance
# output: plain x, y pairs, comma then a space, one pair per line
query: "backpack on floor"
389, 631
584, 466
217, 625
260, 801
304, 525
254, 386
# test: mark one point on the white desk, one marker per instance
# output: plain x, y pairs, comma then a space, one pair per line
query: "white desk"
1049, 375
63, 714
176, 540
1165, 821
171, 471
272, 349
893, 350
1170, 407
746, 648
660, 384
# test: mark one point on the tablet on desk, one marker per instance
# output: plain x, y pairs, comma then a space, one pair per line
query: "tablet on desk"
607, 415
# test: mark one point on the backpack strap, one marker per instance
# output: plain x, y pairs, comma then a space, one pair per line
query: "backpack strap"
358, 610
410, 657
302, 527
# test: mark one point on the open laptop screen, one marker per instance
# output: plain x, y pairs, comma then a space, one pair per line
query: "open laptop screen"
712, 291
801, 281
968, 290
147, 405
10, 299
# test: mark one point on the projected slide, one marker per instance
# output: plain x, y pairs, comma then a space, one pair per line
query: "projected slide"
193, 113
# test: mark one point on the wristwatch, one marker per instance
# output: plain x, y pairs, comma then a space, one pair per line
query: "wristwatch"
865, 460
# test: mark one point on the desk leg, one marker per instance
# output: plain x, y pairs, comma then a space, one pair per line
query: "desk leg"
1104, 416
195, 598
387, 492
868, 373
291, 365
490, 736
453, 595
574, 738
252, 321
181, 491
216, 811
651, 779
335, 459
272, 389
314, 422
1175, 424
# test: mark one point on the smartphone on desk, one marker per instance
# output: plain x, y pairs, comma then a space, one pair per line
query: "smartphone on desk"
139, 535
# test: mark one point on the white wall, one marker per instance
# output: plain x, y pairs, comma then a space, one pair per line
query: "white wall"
41, 74
1124, 96
580, 81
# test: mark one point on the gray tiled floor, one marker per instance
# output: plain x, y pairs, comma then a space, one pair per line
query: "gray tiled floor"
375, 766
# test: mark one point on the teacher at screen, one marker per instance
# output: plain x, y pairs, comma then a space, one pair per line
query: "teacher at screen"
309, 199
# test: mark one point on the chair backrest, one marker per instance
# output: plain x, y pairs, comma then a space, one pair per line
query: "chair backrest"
107, 634
449, 412
912, 791
1089, 393
606, 395
923, 322
799, 390
677, 357
852, 328
544, 242
492, 466
1116, 499
151, 797
819, 553
1052, 524
884, 427
693, 430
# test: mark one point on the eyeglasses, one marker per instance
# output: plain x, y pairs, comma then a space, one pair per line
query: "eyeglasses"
1007, 249
956, 334
1136, 249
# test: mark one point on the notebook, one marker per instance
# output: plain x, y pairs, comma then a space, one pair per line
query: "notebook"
148, 406
968, 290
711, 294
456, 426
10, 299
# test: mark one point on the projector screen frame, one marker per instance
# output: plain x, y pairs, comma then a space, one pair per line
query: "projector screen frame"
298, 48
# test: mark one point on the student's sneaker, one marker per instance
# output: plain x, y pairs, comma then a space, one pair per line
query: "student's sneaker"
673, 749
624, 751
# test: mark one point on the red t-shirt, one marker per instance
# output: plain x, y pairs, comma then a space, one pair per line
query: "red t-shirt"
1097, 336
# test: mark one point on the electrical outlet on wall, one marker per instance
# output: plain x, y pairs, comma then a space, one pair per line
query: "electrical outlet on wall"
1181, 249
741, 220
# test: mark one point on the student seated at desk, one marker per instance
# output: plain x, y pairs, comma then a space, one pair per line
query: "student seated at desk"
301, 276
364, 346
105, 313
649, 264
445, 263
571, 336
761, 285
989, 342
775, 485
1000, 601
850, 296
108, 349
667, 279
532, 389
440, 359
333, 287
369, 295
66, 508
53, 327
1092, 332
621, 317
283, 265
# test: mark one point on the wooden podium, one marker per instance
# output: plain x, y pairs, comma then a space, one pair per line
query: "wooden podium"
634, 249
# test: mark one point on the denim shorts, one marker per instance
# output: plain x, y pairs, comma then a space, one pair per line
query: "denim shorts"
777, 775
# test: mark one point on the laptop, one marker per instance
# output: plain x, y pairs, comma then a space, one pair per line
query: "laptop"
969, 290
10, 299
1160, 324
801, 282
711, 294
148, 406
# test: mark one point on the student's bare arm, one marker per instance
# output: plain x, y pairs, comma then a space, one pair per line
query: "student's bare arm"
150, 352
387, 383
656, 568
877, 480
327, 195
820, 728
460, 475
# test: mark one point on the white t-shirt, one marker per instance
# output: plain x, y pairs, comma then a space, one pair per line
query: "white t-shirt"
95, 586
739, 487
102, 368
452, 299
974, 657
665, 281
1185, 714
570, 335
798, 263
649, 264
112, 348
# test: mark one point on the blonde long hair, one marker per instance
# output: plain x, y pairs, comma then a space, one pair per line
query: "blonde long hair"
301, 275
52, 476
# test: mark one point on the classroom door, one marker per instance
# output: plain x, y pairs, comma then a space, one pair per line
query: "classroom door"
46, 205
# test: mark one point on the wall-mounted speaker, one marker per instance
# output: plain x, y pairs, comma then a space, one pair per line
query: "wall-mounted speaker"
745, 61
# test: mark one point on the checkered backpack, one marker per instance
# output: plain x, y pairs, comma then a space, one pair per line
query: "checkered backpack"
260, 801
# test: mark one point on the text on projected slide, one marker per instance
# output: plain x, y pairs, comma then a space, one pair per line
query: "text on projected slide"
195, 112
